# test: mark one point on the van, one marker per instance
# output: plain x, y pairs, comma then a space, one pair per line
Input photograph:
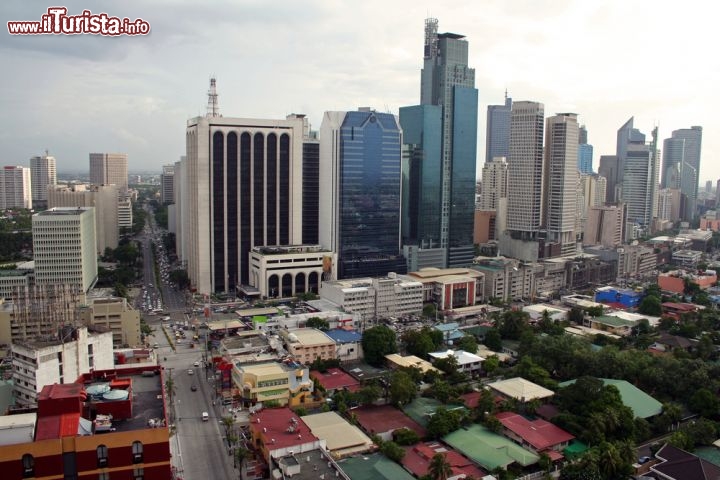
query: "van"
205, 416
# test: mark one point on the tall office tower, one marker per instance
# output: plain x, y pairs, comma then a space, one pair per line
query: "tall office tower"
109, 168
669, 203
717, 194
560, 192
104, 199
360, 155
640, 178
447, 81
310, 181
43, 172
681, 156
608, 168
585, 152
604, 226
64, 247
708, 186
167, 184
525, 170
180, 200
15, 187
497, 136
421, 174
243, 183
594, 190
495, 183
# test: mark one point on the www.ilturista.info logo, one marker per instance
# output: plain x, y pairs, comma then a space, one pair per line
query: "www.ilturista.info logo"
58, 22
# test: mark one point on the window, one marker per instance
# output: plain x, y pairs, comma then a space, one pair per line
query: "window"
138, 474
102, 456
137, 452
28, 462
104, 476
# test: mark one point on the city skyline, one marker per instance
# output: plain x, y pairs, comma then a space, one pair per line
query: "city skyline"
80, 94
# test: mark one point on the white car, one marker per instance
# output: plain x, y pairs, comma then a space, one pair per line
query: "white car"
191, 371
196, 364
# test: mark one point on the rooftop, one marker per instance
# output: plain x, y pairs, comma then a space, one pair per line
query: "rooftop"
335, 379
386, 418
417, 459
410, 361
489, 449
310, 336
521, 389
16, 429
280, 428
679, 464
462, 357
423, 408
373, 467
340, 335
539, 433
342, 437
57, 211
642, 404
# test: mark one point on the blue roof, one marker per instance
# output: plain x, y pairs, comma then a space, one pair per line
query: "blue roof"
447, 327
344, 336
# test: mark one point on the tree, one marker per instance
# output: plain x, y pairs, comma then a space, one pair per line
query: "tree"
441, 391
493, 340
418, 342
486, 404
513, 324
650, 305
491, 364
439, 468
402, 388
468, 344
705, 403
369, 394
576, 315
405, 436
393, 451
378, 342
319, 323
429, 310
442, 422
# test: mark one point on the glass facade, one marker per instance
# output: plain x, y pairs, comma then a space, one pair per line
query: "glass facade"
311, 192
497, 138
369, 194
585, 158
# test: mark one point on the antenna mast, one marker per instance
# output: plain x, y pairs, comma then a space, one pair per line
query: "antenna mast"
213, 108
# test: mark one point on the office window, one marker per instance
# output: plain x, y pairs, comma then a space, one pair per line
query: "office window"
104, 476
102, 456
28, 462
138, 474
137, 452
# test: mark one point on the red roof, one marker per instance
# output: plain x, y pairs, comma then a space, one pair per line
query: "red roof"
57, 426
335, 379
272, 425
687, 307
417, 460
539, 433
386, 418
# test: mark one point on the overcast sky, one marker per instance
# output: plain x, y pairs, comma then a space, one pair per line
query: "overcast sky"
605, 60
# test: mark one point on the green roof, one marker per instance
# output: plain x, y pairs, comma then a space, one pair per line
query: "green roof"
489, 449
575, 449
422, 408
373, 467
642, 404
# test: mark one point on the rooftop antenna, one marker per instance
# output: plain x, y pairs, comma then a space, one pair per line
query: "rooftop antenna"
213, 108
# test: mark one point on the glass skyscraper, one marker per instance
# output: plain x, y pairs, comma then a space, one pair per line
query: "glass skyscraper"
497, 138
360, 156
448, 82
681, 154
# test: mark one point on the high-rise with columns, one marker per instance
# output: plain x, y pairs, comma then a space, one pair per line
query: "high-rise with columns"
109, 168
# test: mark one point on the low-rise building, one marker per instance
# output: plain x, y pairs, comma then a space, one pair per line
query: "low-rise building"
285, 383
536, 312
450, 288
506, 278
624, 298
348, 344
279, 432
710, 221
674, 282
342, 438
376, 298
520, 389
539, 436
309, 344
116, 315
57, 360
687, 258
418, 458
335, 380
467, 362
395, 360
384, 420
287, 271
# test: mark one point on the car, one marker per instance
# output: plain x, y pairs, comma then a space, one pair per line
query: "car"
205, 416
193, 388
191, 371
196, 364
156, 345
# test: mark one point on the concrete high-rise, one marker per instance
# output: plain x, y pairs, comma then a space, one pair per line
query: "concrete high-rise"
560, 192
608, 168
64, 247
109, 168
640, 180
525, 170
104, 200
604, 226
681, 166
15, 187
448, 81
360, 157
43, 172
497, 134
494, 183
241, 188
166, 184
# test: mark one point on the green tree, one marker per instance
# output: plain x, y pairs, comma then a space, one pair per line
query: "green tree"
486, 404
441, 391
402, 388
418, 342
513, 324
705, 403
393, 451
429, 310
491, 364
405, 436
369, 394
442, 422
319, 323
493, 340
650, 305
439, 468
378, 342
468, 344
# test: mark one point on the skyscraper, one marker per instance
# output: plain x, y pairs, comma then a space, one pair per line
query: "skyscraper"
243, 182
166, 184
43, 172
448, 81
525, 170
640, 181
15, 187
560, 192
360, 155
497, 136
494, 183
608, 168
681, 166
109, 168
64, 247
585, 153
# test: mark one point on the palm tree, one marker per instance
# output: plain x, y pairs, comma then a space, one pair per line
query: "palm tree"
439, 468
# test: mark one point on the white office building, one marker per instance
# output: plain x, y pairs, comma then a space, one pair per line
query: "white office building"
109, 168
64, 247
43, 172
15, 187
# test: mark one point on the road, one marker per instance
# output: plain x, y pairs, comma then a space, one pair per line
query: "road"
198, 447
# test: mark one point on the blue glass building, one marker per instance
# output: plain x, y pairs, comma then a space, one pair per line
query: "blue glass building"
497, 135
585, 158
360, 155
